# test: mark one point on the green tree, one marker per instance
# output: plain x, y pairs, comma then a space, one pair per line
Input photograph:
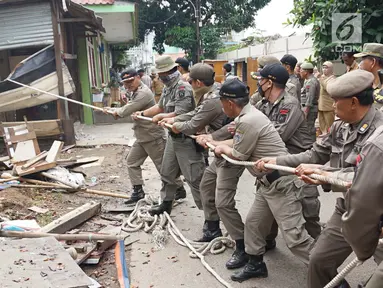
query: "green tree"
174, 22
319, 13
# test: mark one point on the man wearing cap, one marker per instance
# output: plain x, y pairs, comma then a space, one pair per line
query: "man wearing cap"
289, 62
180, 154
255, 136
150, 138
326, 114
348, 58
157, 85
145, 78
285, 112
297, 72
183, 68
372, 61
352, 93
310, 96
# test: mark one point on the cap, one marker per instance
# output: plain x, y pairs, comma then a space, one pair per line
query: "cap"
307, 66
234, 89
350, 84
289, 59
153, 71
164, 64
182, 62
267, 60
275, 72
328, 64
371, 49
202, 71
128, 75
262, 62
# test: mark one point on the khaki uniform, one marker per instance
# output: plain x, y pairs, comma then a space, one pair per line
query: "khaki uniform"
310, 96
276, 195
185, 77
326, 113
341, 147
361, 225
157, 87
256, 97
150, 137
353, 67
297, 91
180, 155
288, 119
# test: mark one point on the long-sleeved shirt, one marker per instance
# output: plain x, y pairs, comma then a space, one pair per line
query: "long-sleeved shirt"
142, 99
310, 92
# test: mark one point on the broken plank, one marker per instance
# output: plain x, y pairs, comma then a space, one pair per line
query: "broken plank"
54, 151
34, 160
38, 167
24, 151
72, 219
52, 177
42, 128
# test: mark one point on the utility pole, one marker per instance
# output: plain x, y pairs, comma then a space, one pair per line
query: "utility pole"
198, 20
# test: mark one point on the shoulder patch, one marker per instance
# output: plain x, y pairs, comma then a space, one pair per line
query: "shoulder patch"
181, 93
181, 88
284, 111
237, 136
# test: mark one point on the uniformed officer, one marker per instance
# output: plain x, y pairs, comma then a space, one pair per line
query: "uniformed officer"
310, 96
289, 62
298, 74
150, 138
157, 85
255, 136
183, 68
352, 93
285, 112
326, 114
348, 58
372, 61
180, 154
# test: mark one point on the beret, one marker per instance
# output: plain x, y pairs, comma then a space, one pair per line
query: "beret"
307, 66
350, 84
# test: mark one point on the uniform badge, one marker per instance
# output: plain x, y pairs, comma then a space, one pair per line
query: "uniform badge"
181, 91
363, 128
237, 136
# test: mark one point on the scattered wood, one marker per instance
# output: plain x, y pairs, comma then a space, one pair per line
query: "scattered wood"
9, 179
66, 148
62, 237
31, 186
24, 151
38, 167
34, 160
54, 151
71, 163
42, 263
72, 219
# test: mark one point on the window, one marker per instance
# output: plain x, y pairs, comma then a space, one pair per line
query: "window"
91, 62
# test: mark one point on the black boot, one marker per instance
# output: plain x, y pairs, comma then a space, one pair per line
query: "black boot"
270, 245
138, 194
180, 193
165, 206
255, 268
239, 257
210, 231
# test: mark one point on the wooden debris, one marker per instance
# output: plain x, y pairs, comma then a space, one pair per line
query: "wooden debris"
72, 219
66, 148
34, 160
38, 167
54, 151
65, 237
43, 263
24, 151
38, 209
42, 128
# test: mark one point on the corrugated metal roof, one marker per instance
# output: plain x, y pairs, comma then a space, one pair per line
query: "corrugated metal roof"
25, 25
94, 2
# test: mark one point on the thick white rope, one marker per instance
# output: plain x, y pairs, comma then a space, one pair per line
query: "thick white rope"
141, 219
346, 270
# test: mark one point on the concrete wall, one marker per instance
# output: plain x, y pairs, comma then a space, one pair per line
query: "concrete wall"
299, 46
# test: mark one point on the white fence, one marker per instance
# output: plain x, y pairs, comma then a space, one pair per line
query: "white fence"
299, 46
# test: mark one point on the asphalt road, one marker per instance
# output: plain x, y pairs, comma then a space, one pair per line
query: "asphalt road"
172, 266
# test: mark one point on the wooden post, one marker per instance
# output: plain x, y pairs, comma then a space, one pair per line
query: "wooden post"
62, 107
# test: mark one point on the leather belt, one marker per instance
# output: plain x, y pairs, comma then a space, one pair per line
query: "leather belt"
174, 135
270, 178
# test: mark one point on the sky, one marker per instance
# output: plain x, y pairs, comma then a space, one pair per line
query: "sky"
270, 19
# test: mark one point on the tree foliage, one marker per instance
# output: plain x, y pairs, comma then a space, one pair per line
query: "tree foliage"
174, 22
319, 13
